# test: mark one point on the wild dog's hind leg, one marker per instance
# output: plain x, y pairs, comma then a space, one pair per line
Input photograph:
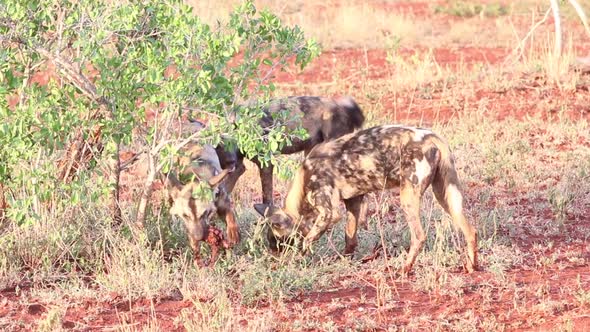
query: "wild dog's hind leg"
410, 203
324, 201
354, 209
450, 198
362, 219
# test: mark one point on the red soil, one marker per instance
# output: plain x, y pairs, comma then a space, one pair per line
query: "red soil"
371, 64
90, 315
533, 98
410, 304
399, 7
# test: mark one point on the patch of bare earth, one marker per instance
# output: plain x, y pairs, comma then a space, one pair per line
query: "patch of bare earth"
527, 297
20, 311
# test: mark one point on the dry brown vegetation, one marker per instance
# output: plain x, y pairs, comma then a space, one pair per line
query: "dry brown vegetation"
518, 125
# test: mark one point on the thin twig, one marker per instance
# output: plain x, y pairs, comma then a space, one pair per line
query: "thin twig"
520, 47
581, 14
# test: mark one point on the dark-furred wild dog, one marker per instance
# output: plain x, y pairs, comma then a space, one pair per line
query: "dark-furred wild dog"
367, 161
323, 118
200, 166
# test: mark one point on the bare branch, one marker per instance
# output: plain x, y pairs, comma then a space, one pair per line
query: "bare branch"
520, 47
194, 109
581, 14
557, 19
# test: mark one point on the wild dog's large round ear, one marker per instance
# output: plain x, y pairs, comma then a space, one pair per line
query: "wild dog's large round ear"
262, 209
173, 186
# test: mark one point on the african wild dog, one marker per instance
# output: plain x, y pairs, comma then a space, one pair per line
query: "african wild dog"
367, 161
200, 166
323, 118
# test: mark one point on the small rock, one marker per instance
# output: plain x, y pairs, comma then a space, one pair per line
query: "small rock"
68, 324
35, 309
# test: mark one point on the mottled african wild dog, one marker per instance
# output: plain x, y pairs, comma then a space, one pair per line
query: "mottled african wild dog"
366, 161
200, 166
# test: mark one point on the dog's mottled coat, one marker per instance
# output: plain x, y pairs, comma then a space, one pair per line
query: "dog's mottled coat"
367, 161
201, 166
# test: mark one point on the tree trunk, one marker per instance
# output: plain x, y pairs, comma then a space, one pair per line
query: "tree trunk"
114, 164
147, 191
3, 203
79, 153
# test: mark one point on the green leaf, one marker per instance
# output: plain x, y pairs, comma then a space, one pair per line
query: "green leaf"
273, 145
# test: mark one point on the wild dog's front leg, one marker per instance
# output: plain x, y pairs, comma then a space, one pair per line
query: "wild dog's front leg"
266, 181
410, 204
320, 226
231, 159
354, 209
233, 232
196, 234
225, 212
325, 201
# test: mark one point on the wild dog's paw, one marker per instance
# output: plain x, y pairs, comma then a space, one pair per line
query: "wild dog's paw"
199, 263
468, 266
306, 247
469, 262
233, 235
407, 269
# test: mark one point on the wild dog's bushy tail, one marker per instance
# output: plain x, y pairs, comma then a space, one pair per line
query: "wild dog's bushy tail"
446, 174
353, 111
447, 190
296, 193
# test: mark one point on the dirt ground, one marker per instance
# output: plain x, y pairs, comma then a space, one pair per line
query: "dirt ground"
515, 307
